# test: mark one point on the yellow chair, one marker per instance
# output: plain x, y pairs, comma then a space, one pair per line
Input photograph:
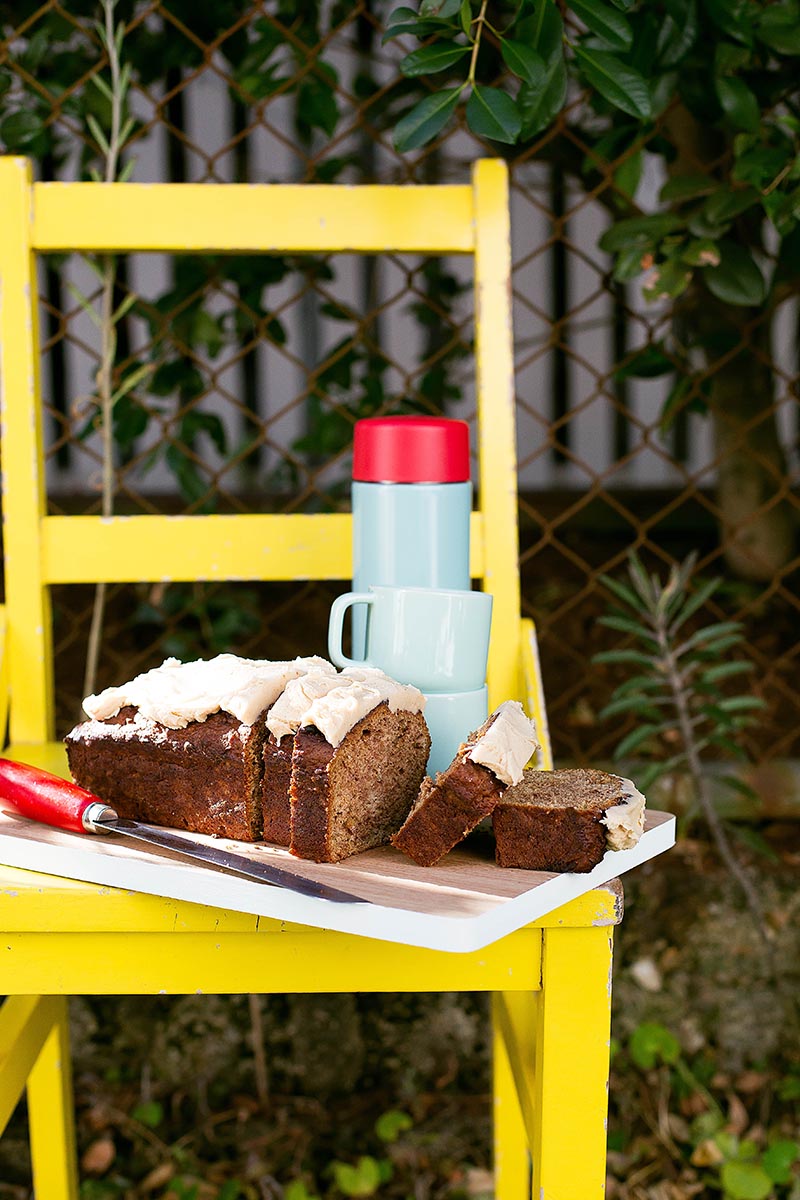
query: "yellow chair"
550, 980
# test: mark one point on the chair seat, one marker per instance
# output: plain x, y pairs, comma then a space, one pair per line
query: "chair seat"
50, 756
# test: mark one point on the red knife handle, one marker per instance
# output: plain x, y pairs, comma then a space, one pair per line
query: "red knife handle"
44, 797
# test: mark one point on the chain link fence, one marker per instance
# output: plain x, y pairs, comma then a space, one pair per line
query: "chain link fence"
249, 374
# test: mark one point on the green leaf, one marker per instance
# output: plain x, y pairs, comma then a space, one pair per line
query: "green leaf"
737, 279
439, 9
405, 20
644, 683
316, 102
149, 1113
778, 27
726, 670
760, 165
677, 401
101, 85
130, 421
360, 1180
18, 129
636, 703
524, 62
390, 1125
732, 17
727, 203
491, 113
686, 187
730, 704
623, 87
643, 733
621, 591
650, 362
745, 1181
132, 380
738, 103
678, 33
539, 105
196, 422
628, 264
125, 307
605, 22
628, 174
666, 281
97, 133
756, 841
650, 1044
85, 303
707, 634
426, 119
297, 1190
701, 252
646, 232
430, 59
703, 593
628, 625
729, 59
618, 657
778, 1159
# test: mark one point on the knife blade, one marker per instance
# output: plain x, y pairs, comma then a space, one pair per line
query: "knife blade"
54, 801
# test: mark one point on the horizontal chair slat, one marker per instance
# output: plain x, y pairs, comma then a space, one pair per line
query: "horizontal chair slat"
178, 549
181, 218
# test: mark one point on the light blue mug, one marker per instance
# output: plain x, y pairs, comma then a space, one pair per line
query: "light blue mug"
434, 638
451, 717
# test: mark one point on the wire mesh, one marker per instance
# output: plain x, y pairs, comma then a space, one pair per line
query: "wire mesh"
254, 371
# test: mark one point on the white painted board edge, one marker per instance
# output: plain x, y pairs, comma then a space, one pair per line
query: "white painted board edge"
179, 881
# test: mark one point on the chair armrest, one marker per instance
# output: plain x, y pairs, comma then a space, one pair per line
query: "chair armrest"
534, 691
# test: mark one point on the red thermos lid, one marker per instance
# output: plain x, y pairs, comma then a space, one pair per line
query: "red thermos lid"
411, 450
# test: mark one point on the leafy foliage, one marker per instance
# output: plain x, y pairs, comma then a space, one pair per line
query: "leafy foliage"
677, 678
710, 1151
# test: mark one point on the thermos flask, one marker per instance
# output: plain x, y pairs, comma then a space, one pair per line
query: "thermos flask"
412, 499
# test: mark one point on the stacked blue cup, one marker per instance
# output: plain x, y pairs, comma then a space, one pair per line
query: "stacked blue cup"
412, 499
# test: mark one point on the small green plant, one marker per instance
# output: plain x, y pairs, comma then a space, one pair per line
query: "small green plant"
362, 1179
674, 689
743, 1164
110, 137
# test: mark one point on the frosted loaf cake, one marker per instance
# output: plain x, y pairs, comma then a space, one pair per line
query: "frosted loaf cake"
181, 745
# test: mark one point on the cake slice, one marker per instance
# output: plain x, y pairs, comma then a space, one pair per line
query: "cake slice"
358, 760
283, 721
182, 745
449, 807
566, 820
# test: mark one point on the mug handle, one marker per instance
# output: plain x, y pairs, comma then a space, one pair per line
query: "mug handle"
335, 623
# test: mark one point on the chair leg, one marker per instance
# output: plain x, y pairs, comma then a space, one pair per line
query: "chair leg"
50, 1114
512, 1168
572, 1032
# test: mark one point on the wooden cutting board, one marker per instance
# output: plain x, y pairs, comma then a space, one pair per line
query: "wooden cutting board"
461, 905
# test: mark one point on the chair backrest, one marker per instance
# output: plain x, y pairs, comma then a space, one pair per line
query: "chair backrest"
41, 550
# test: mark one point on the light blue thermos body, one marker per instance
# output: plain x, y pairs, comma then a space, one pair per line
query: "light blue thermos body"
412, 499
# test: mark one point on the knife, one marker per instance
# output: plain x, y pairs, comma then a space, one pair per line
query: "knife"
55, 801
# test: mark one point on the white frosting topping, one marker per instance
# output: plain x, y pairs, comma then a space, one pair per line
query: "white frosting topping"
625, 822
289, 709
177, 693
335, 713
508, 743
